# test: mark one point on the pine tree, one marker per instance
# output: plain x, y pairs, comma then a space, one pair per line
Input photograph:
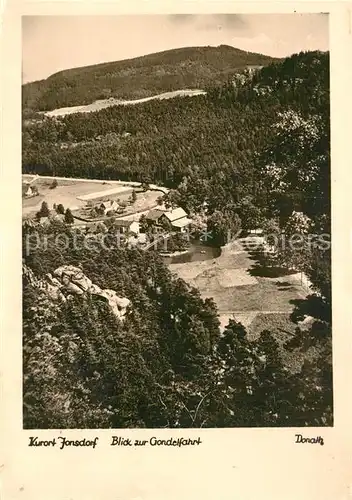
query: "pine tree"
44, 210
69, 217
60, 209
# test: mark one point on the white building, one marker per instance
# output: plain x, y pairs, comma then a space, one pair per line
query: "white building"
178, 219
109, 205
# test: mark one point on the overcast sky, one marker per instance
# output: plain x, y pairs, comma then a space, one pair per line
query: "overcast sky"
53, 43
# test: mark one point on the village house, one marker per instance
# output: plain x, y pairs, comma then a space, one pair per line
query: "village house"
154, 215
134, 239
108, 206
125, 226
177, 218
27, 191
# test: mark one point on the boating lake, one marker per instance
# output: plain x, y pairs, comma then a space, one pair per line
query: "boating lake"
198, 251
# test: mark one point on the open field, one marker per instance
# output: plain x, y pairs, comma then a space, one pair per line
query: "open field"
71, 194
265, 295
252, 296
103, 194
65, 193
239, 290
106, 103
145, 201
111, 183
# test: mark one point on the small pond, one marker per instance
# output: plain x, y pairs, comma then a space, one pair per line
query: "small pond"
197, 251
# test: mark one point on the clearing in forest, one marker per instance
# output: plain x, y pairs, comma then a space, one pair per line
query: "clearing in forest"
241, 289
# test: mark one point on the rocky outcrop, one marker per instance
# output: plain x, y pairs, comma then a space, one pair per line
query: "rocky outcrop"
49, 285
70, 280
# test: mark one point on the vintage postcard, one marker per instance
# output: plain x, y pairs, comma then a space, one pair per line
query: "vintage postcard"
177, 251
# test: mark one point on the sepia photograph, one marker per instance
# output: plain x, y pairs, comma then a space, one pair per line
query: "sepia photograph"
176, 221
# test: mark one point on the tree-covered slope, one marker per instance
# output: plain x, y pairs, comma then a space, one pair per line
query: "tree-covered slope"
165, 365
214, 139
258, 150
190, 67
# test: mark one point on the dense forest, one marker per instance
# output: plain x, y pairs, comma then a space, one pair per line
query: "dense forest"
189, 67
166, 365
253, 151
218, 135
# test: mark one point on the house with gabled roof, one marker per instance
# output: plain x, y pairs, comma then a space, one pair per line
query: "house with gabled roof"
108, 205
177, 218
123, 226
175, 214
27, 191
154, 215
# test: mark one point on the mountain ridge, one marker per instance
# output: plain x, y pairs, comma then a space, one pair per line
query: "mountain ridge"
156, 54
139, 77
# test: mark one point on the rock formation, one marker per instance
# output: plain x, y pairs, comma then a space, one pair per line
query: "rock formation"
70, 280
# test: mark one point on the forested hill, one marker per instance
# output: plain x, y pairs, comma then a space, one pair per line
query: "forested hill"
190, 67
256, 153
213, 138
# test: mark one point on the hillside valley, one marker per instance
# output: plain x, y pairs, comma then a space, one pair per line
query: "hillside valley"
233, 340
